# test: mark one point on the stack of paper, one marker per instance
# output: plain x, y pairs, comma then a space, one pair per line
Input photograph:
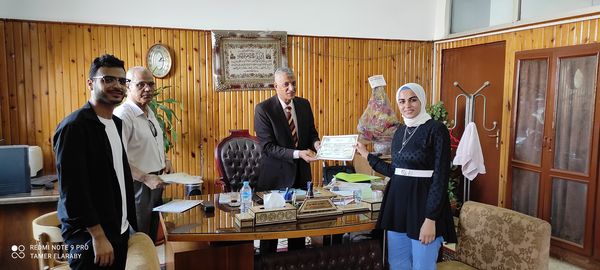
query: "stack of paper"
181, 178
177, 206
355, 177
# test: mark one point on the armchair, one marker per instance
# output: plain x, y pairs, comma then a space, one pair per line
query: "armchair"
46, 231
237, 159
141, 253
491, 237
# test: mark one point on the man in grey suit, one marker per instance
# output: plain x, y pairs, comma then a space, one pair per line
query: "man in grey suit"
285, 127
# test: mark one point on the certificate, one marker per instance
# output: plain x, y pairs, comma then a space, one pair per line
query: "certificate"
337, 147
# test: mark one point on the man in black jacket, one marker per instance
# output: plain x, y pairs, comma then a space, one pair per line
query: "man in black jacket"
285, 127
96, 206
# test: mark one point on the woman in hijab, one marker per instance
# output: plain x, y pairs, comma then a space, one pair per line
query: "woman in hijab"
415, 211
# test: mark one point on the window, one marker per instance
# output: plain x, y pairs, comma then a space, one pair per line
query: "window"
473, 15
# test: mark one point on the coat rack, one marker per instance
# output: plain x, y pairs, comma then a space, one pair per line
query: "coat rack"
469, 117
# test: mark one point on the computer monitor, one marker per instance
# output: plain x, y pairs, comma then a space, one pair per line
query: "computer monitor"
14, 169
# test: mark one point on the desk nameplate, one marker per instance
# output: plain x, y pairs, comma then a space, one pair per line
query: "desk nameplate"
317, 208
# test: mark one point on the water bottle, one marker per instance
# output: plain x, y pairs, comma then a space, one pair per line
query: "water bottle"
246, 197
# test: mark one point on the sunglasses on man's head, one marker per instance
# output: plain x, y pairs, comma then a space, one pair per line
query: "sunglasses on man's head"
107, 79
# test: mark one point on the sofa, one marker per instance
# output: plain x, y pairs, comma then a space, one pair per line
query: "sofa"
491, 237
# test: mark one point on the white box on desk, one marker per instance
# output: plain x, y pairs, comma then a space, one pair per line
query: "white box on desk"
244, 220
374, 204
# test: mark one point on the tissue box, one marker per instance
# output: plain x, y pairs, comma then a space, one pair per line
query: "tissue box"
244, 220
263, 216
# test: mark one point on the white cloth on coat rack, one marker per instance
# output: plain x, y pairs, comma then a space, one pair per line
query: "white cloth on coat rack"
468, 153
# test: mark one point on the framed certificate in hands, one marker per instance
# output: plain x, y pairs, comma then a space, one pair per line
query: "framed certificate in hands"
339, 147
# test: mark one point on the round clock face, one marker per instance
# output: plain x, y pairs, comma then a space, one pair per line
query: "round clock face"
159, 60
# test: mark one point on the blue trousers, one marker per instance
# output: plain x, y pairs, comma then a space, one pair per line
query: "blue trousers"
408, 254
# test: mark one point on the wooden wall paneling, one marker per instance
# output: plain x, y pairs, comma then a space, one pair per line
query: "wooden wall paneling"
329, 119
12, 91
108, 40
393, 52
187, 51
36, 124
176, 79
351, 87
155, 36
212, 95
201, 81
22, 108
59, 89
314, 78
345, 84
3, 81
178, 94
339, 85
46, 128
194, 92
181, 95
208, 123
27, 85
189, 93
356, 88
43, 69
77, 68
64, 77
117, 45
71, 67
52, 106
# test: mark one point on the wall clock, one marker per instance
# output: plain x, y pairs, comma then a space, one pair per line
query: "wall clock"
159, 60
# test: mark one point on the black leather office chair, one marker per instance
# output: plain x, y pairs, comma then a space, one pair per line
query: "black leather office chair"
237, 158
330, 171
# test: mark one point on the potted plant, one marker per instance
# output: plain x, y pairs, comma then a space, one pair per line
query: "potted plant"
438, 112
165, 116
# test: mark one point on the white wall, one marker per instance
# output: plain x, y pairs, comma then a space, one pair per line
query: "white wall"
387, 19
442, 19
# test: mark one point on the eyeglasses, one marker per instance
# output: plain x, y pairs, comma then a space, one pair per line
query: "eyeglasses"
107, 79
152, 128
287, 84
143, 84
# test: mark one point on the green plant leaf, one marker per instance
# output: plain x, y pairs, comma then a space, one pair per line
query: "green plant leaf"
164, 115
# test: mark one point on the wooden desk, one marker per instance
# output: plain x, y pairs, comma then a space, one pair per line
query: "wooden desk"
213, 241
16, 213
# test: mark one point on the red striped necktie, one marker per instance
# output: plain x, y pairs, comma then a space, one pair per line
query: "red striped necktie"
290, 119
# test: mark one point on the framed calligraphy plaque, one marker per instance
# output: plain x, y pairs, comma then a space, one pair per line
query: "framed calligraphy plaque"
247, 59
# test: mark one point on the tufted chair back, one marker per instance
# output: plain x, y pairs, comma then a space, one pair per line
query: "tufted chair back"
237, 158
